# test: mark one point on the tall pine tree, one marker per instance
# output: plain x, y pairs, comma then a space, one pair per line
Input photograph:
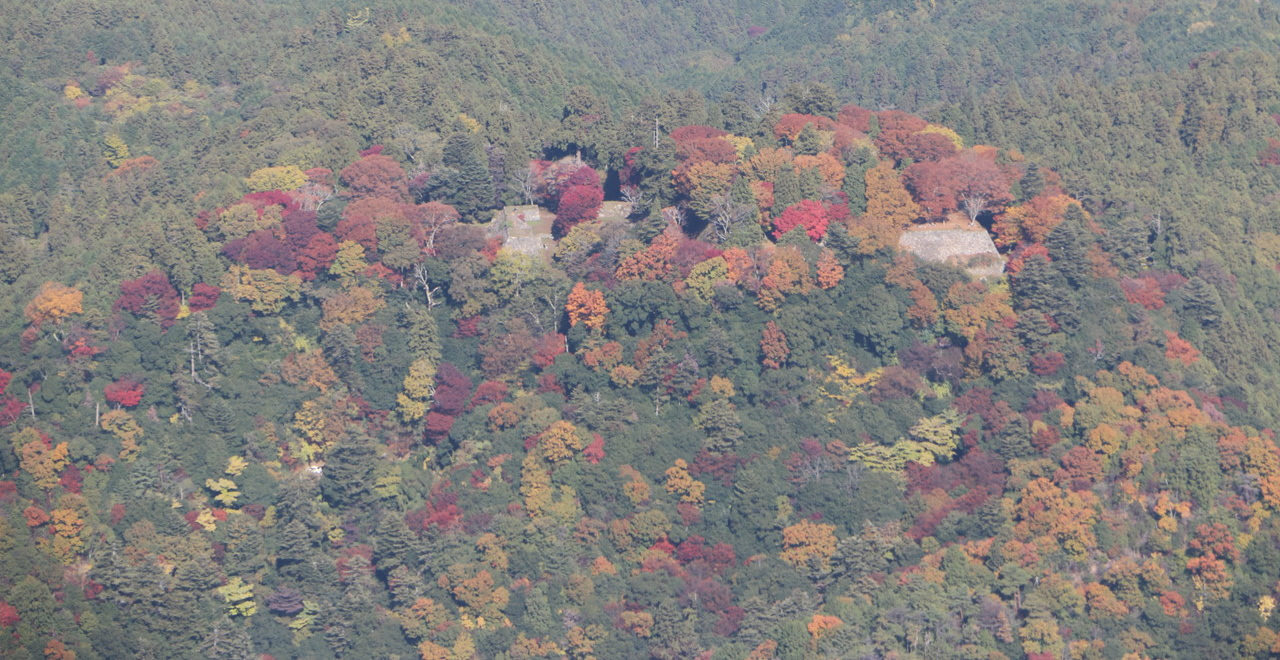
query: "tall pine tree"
469, 188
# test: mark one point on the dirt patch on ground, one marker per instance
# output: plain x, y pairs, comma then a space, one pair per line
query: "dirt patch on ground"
615, 211
955, 242
525, 229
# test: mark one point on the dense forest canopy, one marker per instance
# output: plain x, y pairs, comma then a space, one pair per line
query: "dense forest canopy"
278, 380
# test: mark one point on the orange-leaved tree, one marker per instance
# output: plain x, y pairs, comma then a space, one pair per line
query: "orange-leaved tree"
40, 458
808, 544
587, 307
53, 303
890, 210
830, 272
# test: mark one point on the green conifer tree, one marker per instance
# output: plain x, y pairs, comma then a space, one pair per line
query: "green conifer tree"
1068, 246
470, 188
786, 190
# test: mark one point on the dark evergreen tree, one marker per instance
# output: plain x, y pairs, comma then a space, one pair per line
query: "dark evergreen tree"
1014, 440
1032, 183
811, 184
811, 98
1035, 330
296, 543
343, 354
808, 142
1203, 302
346, 470
787, 190
740, 193
394, 544
406, 585
1068, 246
721, 424
1040, 287
538, 614
1129, 244
469, 188
244, 554
877, 319
855, 186
423, 333
14, 257
226, 640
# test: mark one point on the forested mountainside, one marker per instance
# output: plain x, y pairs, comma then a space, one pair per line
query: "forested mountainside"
276, 383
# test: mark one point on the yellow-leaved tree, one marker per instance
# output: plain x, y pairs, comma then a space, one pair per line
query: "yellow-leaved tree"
53, 303
283, 177
266, 290
680, 482
40, 458
560, 442
239, 597
419, 385
890, 210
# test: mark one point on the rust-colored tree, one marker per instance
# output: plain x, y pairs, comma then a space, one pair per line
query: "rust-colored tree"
856, 117
980, 185
653, 262
1180, 350
1210, 579
361, 218
1032, 221
831, 169
790, 126
830, 272
320, 252
1054, 518
150, 295
967, 182
308, 369
375, 175
896, 127
787, 273
927, 146
773, 346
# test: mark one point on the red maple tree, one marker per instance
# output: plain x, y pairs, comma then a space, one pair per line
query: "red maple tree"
126, 392
807, 213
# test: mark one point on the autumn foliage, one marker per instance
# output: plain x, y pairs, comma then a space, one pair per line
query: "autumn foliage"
587, 307
53, 303
150, 295
576, 205
126, 392
808, 214
969, 182
742, 420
